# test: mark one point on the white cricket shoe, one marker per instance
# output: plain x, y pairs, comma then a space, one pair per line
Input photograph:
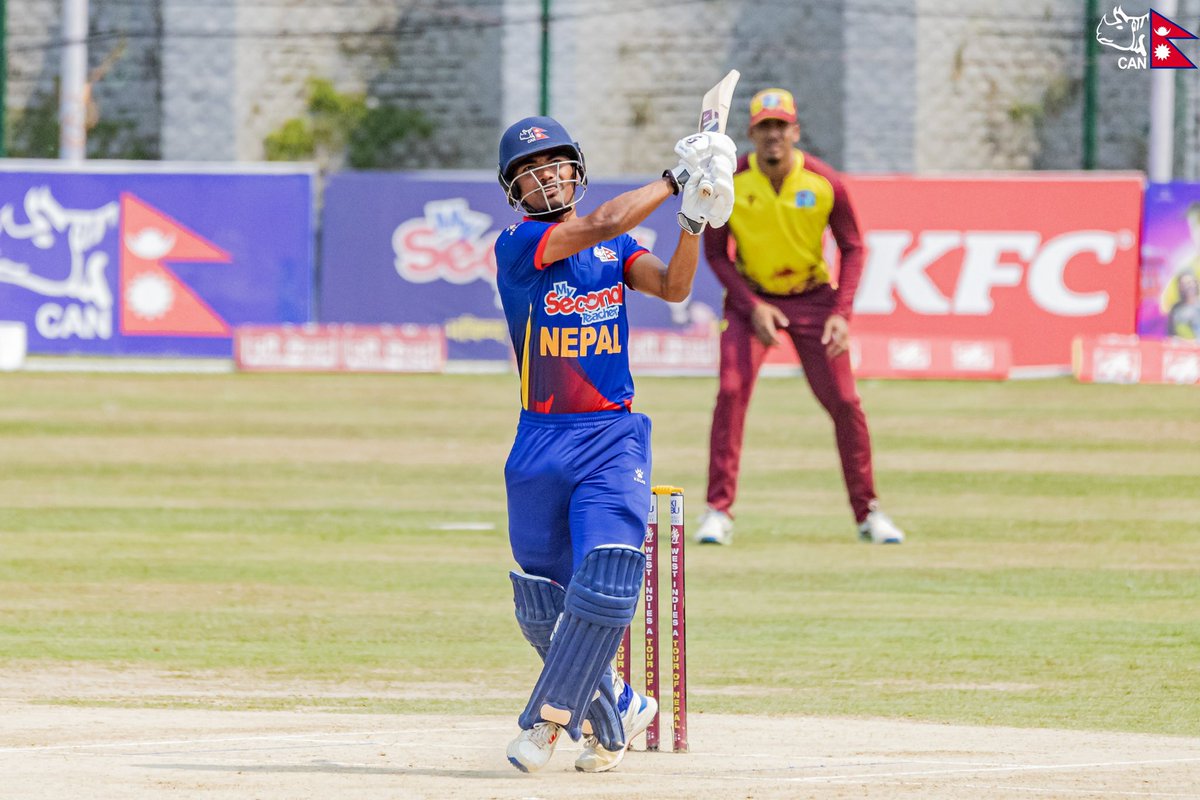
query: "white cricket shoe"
594, 758
878, 528
716, 527
532, 749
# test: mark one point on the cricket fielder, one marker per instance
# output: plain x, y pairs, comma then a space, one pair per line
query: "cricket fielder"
578, 475
786, 199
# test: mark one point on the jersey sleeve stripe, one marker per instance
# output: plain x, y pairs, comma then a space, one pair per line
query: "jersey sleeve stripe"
537, 255
634, 256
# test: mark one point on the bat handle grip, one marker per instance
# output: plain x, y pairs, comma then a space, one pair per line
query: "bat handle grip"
706, 188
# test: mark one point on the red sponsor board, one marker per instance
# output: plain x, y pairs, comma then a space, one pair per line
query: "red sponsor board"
930, 357
340, 348
1035, 260
1128, 359
697, 352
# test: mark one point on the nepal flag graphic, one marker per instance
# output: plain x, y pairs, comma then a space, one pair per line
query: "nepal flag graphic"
1164, 54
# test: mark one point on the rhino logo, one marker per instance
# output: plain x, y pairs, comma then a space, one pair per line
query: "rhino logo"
1123, 32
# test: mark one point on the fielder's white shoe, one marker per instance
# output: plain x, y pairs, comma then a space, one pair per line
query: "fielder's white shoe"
532, 749
716, 527
878, 528
594, 758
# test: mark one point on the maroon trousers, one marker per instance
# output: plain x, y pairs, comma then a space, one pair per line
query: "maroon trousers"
832, 381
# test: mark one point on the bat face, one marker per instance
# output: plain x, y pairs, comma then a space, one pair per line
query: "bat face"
714, 109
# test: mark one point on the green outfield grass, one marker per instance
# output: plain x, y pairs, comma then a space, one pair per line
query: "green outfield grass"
292, 528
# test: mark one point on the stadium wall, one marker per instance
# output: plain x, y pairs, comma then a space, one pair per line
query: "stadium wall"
914, 85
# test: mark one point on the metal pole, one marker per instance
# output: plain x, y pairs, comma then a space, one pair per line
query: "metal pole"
72, 103
3, 77
1160, 159
544, 106
1092, 47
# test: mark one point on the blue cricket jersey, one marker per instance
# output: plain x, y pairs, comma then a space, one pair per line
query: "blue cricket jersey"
567, 320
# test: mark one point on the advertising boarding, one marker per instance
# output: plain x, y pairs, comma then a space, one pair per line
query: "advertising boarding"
121, 259
1017, 266
1034, 259
1170, 288
416, 248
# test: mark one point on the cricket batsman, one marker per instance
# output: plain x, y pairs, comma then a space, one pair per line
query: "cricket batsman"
578, 474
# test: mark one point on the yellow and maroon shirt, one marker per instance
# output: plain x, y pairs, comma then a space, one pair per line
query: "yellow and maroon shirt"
779, 235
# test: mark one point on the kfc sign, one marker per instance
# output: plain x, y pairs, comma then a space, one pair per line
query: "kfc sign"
1034, 260
990, 259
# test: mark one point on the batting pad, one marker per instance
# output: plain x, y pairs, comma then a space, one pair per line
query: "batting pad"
599, 606
602, 714
538, 602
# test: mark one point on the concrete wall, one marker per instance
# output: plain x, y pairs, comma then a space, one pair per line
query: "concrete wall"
910, 85
225, 94
123, 59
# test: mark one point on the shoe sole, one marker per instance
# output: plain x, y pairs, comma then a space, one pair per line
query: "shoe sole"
606, 767
869, 540
522, 766
712, 540
638, 730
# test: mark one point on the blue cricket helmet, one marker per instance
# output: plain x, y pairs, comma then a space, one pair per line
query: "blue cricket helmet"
531, 136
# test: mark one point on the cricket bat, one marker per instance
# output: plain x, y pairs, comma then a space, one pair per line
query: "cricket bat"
714, 112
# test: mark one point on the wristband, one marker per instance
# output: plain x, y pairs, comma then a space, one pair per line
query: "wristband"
690, 225
677, 178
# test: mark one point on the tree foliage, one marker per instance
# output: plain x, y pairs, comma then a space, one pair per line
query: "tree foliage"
347, 128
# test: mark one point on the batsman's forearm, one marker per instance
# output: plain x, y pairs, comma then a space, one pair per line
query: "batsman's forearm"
628, 210
681, 269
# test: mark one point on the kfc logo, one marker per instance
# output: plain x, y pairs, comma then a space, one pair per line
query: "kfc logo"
909, 354
896, 269
1181, 367
1113, 365
972, 356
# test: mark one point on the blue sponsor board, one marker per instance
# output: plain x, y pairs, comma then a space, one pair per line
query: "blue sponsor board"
124, 259
417, 248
